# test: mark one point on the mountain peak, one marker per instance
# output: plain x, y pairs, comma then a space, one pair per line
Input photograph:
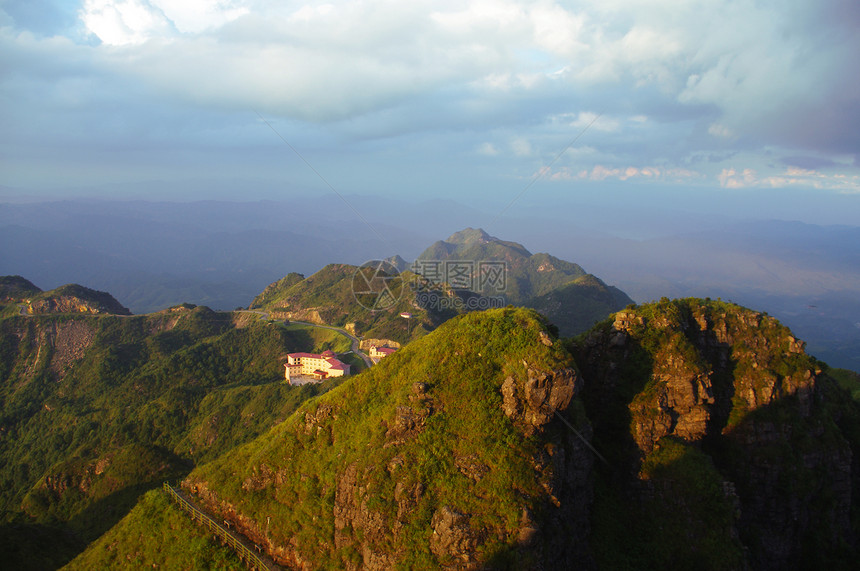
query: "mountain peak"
471, 236
17, 288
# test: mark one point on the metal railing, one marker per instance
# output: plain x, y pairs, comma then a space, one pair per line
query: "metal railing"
253, 560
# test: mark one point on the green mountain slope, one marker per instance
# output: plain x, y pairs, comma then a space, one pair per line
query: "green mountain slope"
95, 409
447, 453
16, 288
275, 291
722, 445
156, 535
579, 304
329, 297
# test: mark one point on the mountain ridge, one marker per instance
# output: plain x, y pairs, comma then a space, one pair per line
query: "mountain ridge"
531, 280
439, 465
430, 295
69, 298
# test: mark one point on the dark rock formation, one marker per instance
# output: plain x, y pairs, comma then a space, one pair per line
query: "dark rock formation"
737, 386
531, 402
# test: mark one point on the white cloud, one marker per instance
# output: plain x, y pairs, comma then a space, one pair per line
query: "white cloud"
720, 131
124, 22
791, 176
521, 147
131, 22
750, 61
195, 16
648, 173
487, 149
730, 178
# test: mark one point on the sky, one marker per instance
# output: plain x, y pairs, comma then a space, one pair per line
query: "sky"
489, 102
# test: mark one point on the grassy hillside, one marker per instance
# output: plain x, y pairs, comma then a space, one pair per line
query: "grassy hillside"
74, 298
328, 296
16, 288
70, 298
156, 534
421, 461
726, 447
19, 294
578, 305
275, 291
848, 380
94, 410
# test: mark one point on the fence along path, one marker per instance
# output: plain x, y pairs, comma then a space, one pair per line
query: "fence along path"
233, 539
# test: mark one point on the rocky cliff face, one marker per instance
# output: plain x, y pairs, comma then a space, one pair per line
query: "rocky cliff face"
54, 346
707, 377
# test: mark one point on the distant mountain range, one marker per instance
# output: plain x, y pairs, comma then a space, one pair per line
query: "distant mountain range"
572, 299
445, 281
428, 290
153, 255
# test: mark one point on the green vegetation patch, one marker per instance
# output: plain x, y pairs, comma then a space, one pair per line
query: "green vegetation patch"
95, 410
156, 534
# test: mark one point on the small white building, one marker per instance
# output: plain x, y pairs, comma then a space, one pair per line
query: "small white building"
377, 353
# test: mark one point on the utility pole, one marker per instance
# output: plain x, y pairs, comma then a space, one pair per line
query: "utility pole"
408, 317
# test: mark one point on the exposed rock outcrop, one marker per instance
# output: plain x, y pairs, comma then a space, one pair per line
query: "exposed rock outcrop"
737, 385
531, 402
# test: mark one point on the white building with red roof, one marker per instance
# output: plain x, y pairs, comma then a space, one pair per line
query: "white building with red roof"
377, 353
304, 366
